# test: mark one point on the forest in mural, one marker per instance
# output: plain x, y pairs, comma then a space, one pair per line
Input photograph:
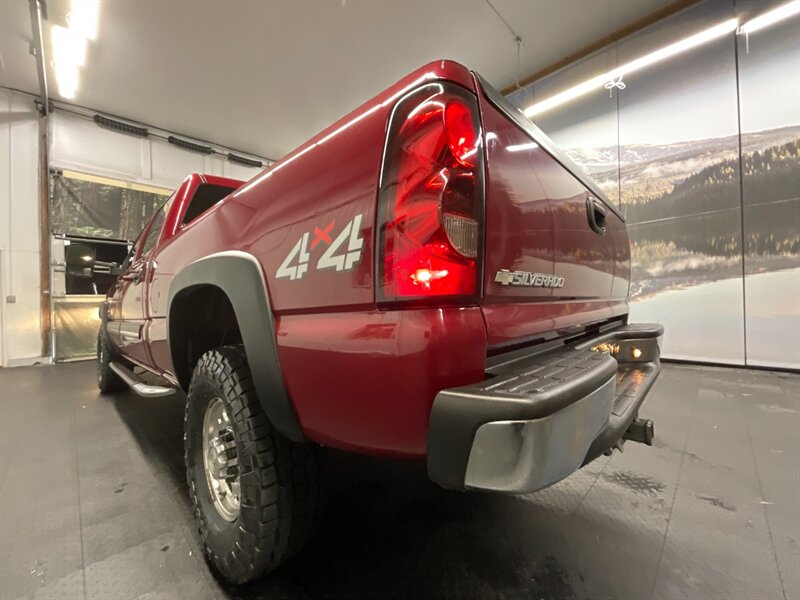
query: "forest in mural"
92, 209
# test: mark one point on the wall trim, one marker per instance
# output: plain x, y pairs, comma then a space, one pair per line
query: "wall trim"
160, 132
121, 183
154, 130
29, 362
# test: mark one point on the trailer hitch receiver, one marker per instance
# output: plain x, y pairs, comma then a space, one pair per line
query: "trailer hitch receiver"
640, 430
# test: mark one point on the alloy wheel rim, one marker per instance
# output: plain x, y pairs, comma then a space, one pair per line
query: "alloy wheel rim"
221, 460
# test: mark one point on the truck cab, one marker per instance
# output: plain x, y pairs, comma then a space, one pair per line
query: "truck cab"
129, 309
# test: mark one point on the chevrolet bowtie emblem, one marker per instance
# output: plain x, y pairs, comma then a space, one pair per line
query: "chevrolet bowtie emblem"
528, 279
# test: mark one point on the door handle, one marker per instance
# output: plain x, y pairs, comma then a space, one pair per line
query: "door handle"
597, 215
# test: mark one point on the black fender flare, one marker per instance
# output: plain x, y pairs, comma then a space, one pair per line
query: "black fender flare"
240, 277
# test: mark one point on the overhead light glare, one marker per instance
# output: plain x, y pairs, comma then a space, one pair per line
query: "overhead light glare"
784, 11
70, 43
69, 47
67, 79
522, 147
69, 53
659, 55
83, 17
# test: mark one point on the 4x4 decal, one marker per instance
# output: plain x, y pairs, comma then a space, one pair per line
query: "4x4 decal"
334, 257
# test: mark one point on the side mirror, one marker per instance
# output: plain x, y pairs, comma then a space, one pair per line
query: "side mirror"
80, 260
116, 269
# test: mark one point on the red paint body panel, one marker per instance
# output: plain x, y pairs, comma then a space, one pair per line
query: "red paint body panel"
509, 324
365, 381
519, 215
331, 178
364, 378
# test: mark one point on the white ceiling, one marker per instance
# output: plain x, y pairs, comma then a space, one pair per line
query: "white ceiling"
262, 77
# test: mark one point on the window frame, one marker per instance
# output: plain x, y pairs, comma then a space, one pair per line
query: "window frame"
141, 252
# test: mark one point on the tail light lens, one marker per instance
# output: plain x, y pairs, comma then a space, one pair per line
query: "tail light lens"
431, 204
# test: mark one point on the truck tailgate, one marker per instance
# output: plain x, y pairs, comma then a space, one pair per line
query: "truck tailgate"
557, 256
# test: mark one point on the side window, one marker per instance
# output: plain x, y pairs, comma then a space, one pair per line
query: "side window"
133, 252
152, 234
206, 196
155, 228
128, 258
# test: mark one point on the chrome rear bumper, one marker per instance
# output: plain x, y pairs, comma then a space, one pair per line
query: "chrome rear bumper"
540, 417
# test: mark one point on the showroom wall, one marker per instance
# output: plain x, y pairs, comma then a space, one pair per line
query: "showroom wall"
700, 151
76, 143
20, 329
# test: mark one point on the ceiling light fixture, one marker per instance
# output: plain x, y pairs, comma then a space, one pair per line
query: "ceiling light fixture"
659, 55
784, 11
121, 126
243, 160
201, 148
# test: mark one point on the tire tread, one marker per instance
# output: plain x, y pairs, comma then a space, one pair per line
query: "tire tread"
281, 487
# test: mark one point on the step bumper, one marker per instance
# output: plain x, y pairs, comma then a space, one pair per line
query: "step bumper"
538, 418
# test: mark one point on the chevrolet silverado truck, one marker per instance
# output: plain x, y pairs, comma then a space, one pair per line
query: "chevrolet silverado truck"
429, 278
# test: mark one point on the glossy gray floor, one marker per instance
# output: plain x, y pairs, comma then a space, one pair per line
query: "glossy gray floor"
93, 504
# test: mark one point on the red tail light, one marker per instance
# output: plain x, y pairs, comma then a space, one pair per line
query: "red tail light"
431, 206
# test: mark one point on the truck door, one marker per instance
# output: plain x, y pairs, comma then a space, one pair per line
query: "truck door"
127, 303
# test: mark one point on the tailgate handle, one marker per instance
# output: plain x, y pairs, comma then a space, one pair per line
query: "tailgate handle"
597, 215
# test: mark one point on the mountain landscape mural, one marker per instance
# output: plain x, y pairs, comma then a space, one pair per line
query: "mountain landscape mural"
682, 203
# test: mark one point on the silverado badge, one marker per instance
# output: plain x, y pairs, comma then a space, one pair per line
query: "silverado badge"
528, 279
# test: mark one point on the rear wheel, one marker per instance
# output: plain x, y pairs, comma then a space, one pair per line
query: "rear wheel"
107, 380
257, 496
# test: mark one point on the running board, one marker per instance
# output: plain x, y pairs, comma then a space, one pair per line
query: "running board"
137, 385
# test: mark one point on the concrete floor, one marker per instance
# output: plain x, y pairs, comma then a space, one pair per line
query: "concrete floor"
93, 504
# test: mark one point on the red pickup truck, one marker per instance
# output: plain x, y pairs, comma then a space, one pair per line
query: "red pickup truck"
429, 278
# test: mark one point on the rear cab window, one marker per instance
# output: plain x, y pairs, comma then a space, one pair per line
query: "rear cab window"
206, 196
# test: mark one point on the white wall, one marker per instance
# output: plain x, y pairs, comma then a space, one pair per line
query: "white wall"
75, 142
20, 316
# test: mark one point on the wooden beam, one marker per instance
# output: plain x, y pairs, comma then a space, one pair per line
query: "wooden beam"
601, 43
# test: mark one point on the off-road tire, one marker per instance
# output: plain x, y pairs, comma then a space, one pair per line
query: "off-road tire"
107, 380
281, 482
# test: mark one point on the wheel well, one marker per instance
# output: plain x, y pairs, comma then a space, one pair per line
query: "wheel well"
201, 318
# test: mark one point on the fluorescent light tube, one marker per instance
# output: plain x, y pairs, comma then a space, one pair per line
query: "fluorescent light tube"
67, 79
69, 53
83, 17
69, 47
784, 11
594, 83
